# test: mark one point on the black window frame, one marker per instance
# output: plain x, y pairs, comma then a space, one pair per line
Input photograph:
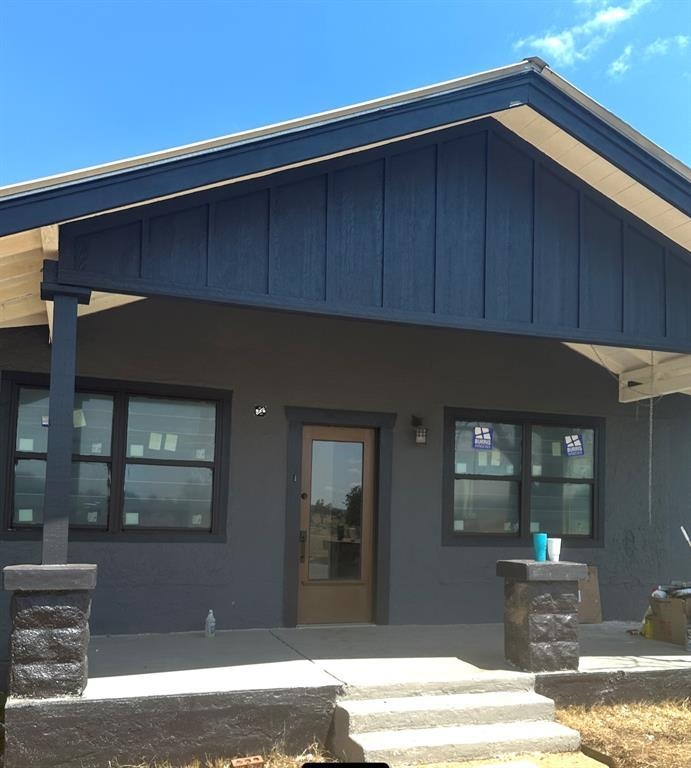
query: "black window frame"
526, 420
10, 384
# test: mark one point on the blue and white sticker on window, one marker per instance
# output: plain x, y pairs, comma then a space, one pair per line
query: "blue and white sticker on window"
483, 438
573, 445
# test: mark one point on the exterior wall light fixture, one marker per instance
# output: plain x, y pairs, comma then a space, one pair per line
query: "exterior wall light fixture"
420, 430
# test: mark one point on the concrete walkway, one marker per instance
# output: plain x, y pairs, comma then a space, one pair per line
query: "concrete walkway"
311, 657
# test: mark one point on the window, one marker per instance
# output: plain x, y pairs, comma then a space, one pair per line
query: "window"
141, 460
509, 475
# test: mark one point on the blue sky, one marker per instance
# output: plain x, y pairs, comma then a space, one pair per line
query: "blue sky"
83, 83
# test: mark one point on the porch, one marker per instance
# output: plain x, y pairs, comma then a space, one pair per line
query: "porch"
245, 690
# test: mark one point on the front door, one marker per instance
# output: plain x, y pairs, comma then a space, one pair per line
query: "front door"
336, 525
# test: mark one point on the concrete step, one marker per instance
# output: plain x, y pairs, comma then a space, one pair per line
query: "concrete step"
358, 716
455, 743
428, 685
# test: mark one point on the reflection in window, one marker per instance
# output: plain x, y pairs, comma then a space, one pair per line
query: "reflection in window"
170, 430
520, 477
163, 458
167, 497
335, 510
89, 495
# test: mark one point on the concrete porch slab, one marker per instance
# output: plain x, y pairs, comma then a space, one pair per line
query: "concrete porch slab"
366, 659
246, 687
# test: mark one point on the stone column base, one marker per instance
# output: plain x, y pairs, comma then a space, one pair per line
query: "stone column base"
49, 640
541, 614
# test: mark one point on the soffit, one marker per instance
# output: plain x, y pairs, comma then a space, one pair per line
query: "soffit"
641, 373
599, 173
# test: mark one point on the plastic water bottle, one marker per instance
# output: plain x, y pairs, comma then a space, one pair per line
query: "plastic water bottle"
210, 624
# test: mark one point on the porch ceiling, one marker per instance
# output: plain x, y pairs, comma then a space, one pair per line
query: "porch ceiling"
641, 373
21, 270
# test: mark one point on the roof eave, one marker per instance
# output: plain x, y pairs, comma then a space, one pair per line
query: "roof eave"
189, 168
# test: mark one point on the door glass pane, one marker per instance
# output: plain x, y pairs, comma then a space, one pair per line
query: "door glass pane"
166, 430
485, 506
32, 420
93, 423
561, 509
487, 449
167, 497
88, 497
335, 525
562, 452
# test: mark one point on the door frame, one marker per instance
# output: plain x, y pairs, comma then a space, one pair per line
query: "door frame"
383, 424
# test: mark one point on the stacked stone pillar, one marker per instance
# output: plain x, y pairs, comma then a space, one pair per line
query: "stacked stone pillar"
49, 639
541, 614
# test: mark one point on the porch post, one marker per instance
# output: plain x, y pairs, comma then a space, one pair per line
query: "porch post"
56, 505
541, 613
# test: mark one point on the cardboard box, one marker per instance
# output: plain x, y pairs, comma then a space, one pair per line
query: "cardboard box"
670, 618
589, 608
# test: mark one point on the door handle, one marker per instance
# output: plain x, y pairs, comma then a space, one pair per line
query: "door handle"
303, 495
303, 543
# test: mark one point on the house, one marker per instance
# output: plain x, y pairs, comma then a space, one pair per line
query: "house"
332, 370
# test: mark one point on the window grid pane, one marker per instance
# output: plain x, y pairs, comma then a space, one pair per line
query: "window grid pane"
562, 452
89, 497
561, 509
486, 506
93, 425
497, 452
157, 496
32, 420
170, 430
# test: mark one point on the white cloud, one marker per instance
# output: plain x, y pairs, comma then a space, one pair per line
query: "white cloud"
662, 45
577, 43
622, 63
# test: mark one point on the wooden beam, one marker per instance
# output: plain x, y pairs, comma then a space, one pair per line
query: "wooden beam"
664, 378
49, 241
19, 242
50, 237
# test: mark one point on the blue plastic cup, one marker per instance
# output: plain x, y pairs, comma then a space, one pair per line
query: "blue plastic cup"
540, 547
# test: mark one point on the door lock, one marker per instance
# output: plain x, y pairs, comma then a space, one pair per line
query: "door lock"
303, 542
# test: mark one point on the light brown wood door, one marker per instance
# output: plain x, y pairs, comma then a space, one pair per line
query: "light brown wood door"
336, 525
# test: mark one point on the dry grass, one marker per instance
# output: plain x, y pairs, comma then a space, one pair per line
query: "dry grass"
633, 735
636, 735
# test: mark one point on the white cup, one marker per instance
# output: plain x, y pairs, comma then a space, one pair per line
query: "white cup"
553, 549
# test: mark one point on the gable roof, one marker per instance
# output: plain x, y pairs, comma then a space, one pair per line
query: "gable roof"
528, 98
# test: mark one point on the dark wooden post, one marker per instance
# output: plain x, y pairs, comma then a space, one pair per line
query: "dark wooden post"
56, 507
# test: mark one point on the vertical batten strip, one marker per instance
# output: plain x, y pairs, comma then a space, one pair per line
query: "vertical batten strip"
210, 243
488, 169
325, 186
435, 224
533, 165
143, 244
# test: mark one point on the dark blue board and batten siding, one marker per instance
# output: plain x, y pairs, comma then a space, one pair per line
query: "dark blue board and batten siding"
474, 229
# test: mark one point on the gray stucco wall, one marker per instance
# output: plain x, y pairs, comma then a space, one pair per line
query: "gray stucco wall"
288, 359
